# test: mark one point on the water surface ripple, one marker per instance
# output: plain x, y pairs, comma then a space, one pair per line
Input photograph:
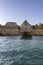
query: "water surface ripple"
17, 51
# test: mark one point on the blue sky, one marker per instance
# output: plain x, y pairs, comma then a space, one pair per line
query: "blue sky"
19, 10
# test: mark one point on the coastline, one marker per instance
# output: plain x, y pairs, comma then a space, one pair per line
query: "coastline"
12, 29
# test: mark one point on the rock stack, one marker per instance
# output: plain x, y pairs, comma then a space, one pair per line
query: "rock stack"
26, 29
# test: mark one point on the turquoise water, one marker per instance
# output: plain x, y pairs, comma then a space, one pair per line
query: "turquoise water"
19, 51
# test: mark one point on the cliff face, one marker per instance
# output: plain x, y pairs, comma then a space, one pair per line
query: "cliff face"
37, 32
12, 29
25, 27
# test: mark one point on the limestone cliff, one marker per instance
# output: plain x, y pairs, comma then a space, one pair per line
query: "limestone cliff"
12, 29
37, 32
25, 26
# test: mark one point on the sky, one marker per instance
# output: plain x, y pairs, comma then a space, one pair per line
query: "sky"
20, 10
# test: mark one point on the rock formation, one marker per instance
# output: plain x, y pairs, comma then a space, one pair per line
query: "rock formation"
26, 29
25, 26
37, 30
12, 29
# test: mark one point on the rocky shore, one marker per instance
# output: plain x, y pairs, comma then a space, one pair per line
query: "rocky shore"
12, 29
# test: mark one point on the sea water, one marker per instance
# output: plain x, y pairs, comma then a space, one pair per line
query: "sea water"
15, 50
